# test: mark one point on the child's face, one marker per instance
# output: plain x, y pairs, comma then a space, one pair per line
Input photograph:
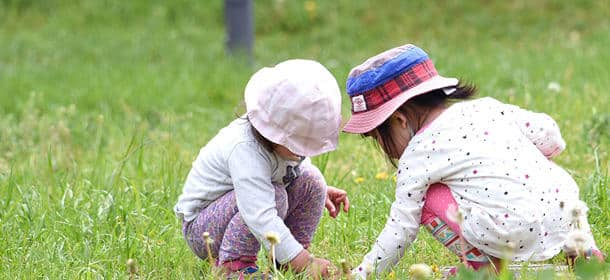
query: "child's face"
286, 154
395, 137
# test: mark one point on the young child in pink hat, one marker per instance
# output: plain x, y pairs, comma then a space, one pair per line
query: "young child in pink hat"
254, 177
476, 173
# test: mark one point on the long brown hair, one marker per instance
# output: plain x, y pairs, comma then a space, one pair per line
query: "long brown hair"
416, 110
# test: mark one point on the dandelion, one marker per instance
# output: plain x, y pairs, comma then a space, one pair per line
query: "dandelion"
394, 178
132, 267
381, 176
420, 271
100, 119
310, 8
345, 268
554, 87
208, 242
435, 268
274, 239
454, 214
359, 180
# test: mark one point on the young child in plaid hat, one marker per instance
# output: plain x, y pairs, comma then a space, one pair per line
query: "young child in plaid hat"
254, 177
476, 173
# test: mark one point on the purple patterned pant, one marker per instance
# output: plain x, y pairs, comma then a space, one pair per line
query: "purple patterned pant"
300, 206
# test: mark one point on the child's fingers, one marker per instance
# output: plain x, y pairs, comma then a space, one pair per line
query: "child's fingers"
346, 204
330, 206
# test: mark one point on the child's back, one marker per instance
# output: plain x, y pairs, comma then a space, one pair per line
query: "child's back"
510, 193
210, 176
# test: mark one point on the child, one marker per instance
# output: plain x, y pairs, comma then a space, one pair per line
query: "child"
488, 160
253, 178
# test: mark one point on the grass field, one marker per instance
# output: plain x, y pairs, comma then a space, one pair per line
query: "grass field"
104, 104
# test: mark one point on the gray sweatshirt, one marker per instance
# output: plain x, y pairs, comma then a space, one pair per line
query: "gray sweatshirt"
234, 160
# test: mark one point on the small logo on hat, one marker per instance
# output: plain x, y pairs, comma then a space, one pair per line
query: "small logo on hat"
359, 103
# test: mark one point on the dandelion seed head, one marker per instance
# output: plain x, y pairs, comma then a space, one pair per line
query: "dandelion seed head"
132, 265
420, 271
273, 237
454, 214
554, 87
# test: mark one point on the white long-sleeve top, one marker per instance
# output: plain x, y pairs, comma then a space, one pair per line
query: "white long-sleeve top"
494, 158
234, 160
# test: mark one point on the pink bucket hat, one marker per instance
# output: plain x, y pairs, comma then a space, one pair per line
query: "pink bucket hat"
384, 82
296, 104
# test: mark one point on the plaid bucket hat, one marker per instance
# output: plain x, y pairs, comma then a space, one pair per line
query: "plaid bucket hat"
297, 104
384, 82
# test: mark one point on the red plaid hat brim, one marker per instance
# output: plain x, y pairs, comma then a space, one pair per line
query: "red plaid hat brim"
366, 121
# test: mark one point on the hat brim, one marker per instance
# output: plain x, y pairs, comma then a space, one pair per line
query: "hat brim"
367, 121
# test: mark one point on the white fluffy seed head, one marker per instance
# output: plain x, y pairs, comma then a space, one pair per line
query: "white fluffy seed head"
132, 265
420, 271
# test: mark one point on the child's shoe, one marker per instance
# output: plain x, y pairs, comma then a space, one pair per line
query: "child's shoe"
240, 270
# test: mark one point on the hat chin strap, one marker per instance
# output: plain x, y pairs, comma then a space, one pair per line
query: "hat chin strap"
449, 90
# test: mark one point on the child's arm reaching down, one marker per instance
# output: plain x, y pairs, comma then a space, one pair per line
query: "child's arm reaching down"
540, 128
401, 228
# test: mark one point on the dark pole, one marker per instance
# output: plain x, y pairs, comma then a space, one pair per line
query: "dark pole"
239, 23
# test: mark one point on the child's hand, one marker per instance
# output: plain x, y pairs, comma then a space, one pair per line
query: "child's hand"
315, 268
334, 198
322, 268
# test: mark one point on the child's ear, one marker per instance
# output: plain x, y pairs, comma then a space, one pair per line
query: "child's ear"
401, 119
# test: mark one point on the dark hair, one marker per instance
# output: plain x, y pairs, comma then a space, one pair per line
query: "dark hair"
417, 110
268, 145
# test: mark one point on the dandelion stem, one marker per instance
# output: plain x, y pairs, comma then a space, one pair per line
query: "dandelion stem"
132, 267
273, 239
208, 241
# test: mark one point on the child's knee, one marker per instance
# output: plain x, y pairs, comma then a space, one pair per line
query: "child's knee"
314, 180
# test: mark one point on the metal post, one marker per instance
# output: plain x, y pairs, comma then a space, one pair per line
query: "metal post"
239, 24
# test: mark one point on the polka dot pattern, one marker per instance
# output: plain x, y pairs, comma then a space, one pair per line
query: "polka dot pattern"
494, 157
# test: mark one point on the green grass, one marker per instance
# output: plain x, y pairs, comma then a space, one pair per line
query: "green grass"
104, 104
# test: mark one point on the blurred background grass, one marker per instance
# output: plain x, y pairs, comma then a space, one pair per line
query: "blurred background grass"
104, 104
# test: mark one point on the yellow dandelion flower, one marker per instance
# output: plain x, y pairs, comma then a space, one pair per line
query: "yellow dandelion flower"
381, 176
310, 6
394, 178
359, 180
